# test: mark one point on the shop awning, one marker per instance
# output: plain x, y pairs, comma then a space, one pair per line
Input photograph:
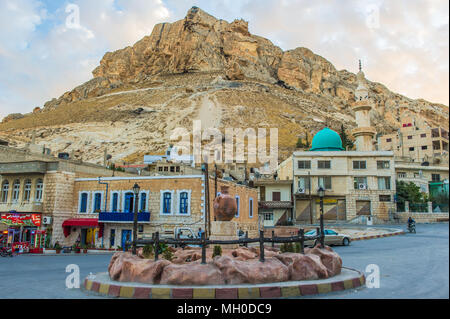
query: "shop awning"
79, 222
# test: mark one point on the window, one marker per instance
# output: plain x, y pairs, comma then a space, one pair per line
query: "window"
409, 137
411, 149
172, 169
324, 164
184, 205
166, 169
401, 175
384, 183
143, 204
388, 140
250, 207
167, 203
178, 169
383, 164
83, 203
39, 190
115, 202
268, 216
304, 164
330, 232
360, 182
303, 184
385, 198
435, 177
160, 169
324, 182
424, 147
27, 191
276, 196
97, 203
237, 204
359, 165
5, 191
423, 135
16, 190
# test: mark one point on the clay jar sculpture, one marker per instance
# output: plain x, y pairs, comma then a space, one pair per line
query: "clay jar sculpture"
225, 206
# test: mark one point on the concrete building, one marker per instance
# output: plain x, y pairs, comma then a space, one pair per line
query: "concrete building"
417, 141
357, 184
274, 201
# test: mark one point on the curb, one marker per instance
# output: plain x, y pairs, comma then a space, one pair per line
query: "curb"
270, 292
378, 236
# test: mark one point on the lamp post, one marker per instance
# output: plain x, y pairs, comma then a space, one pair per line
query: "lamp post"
321, 193
136, 190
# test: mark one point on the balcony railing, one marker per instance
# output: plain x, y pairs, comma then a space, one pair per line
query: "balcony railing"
106, 217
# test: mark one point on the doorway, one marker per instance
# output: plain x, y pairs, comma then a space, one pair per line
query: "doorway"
126, 236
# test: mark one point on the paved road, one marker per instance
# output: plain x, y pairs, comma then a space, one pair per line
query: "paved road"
411, 266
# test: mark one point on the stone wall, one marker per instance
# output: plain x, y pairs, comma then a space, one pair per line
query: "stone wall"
423, 217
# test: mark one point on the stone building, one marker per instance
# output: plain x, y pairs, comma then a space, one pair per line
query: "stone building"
357, 184
165, 202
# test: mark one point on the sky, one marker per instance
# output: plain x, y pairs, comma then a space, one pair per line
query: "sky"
48, 47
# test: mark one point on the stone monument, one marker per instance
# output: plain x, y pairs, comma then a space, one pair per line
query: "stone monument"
222, 228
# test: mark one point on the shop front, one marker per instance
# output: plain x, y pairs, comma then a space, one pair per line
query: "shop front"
90, 231
23, 232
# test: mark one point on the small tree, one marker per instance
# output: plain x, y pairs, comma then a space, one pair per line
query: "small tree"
346, 142
409, 192
168, 255
147, 251
217, 251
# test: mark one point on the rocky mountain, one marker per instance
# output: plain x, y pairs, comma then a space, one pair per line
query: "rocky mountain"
204, 68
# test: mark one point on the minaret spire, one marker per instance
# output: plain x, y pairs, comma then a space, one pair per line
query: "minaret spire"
360, 68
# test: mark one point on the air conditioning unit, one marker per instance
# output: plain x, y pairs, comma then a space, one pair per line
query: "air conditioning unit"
362, 186
46, 220
301, 191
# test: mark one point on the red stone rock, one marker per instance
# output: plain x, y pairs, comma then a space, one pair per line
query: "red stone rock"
144, 270
329, 259
243, 253
185, 256
251, 271
307, 267
192, 274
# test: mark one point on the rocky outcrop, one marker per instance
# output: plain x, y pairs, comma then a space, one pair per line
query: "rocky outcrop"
329, 259
192, 274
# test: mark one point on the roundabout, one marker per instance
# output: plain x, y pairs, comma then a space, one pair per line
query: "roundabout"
101, 284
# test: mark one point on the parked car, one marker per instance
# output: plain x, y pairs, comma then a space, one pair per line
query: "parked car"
331, 238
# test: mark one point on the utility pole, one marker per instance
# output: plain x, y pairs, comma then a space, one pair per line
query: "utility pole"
207, 208
310, 198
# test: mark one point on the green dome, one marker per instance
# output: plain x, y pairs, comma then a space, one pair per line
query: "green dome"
327, 140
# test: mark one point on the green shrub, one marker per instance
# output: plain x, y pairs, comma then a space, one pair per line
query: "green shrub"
147, 251
297, 248
287, 248
168, 255
217, 251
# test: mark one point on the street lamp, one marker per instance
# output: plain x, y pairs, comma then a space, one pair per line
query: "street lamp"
321, 193
136, 190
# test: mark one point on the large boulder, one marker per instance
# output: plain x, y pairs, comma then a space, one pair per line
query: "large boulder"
251, 271
192, 274
307, 267
243, 253
187, 255
331, 260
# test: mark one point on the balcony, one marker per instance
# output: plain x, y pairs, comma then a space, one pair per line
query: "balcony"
274, 204
123, 217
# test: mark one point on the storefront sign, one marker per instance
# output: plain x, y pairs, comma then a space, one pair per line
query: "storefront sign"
14, 219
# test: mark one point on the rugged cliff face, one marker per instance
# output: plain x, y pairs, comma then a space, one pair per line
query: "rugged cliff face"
200, 60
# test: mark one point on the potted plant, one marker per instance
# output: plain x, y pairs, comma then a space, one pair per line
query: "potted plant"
57, 248
76, 248
85, 249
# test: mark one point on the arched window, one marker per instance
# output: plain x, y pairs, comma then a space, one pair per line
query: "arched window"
5, 191
237, 204
16, 191
250, 208
167, 203
184, 197
27, 191
143, 205
83, 202
39, 188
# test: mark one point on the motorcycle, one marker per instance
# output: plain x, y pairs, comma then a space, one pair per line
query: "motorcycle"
412, 227
6, 251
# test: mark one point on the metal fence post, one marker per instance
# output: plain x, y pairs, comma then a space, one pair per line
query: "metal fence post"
156, 246
273, 235
301, 233
318, 233
203, 248
261, 245
246, 237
